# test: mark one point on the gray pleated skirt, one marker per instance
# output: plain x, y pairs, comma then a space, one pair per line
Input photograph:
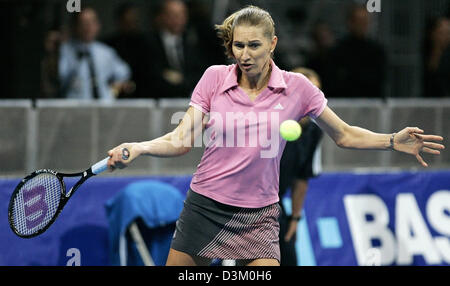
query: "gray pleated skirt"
210, 229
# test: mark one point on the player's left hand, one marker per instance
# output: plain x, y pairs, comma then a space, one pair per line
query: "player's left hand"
411, 140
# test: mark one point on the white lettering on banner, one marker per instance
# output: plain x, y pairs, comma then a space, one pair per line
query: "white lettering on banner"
412, 234
363, 231
443, 245
437, 204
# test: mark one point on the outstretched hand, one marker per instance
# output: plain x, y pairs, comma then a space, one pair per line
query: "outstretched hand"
411, 140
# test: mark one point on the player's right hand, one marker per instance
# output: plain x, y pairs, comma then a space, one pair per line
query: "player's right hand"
122, 155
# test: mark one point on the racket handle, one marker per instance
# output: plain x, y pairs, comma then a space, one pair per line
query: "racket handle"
100, 167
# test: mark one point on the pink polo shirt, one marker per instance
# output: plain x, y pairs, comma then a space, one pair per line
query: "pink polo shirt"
241, 161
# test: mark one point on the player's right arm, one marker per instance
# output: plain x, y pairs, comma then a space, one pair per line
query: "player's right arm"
175, 143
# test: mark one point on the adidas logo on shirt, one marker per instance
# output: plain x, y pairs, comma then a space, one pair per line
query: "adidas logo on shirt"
279, 106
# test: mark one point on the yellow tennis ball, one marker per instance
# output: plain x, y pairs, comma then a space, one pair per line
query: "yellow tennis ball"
290, 130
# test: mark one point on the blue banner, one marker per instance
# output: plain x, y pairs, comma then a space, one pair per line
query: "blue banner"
377, 219
81, 228
349, 219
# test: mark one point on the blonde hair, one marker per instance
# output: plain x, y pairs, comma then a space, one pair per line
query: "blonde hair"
309, 73
250, 15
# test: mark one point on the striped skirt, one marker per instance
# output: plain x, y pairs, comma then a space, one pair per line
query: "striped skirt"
210, 229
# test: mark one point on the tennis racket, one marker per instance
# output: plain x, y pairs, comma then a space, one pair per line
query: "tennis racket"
40, 197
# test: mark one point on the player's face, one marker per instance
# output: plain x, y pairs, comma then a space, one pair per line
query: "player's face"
252, 49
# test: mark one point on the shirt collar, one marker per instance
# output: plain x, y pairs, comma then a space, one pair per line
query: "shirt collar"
276, 78
167, 36
81, 46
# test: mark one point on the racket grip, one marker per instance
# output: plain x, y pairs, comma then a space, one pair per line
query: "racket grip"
100, 167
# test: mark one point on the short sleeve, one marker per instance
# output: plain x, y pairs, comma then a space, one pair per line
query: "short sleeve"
313, 99
205, 88
317, 102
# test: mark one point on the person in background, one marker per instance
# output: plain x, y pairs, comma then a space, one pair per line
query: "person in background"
318, 59
175, 62
132, 46
200, 21
296, 168
89, 69
357, 63
436, 58
49, 65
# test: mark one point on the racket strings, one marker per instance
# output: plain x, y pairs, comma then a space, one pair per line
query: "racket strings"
36, 203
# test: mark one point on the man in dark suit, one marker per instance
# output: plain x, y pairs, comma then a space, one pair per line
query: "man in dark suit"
131, 45
436, 58
357, 65
177, 62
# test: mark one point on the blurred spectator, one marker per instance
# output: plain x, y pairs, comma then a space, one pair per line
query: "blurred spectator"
436, 58
211, 46
357, 63
175, 52
49, 65
88, 68
293, 52
132, 47
323, 42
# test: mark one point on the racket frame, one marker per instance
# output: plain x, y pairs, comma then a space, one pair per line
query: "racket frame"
64, 196
95, 169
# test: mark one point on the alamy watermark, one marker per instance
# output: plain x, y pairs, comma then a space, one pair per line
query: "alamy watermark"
233, 129
373, 257
73, 6
373, 6
74, 255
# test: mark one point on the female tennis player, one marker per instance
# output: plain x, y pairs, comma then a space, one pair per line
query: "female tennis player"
231, 209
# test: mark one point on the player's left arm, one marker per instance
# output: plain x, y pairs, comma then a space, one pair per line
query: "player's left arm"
410, 140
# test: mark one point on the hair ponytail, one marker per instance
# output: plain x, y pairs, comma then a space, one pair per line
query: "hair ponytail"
225, 32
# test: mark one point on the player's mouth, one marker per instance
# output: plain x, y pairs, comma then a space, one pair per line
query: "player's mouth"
246, 66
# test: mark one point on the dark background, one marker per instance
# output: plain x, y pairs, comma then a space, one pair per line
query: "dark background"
399, 28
